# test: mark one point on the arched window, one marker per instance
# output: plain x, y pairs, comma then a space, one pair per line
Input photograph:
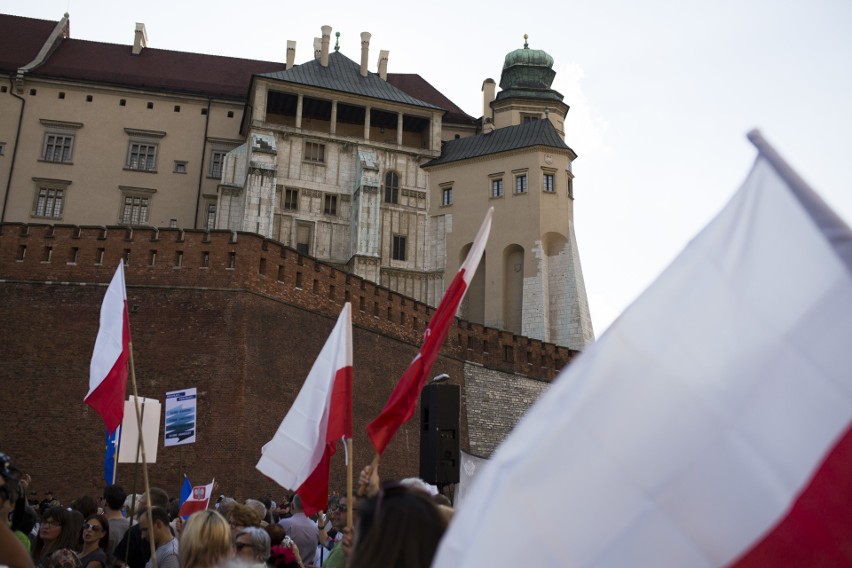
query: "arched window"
391, 188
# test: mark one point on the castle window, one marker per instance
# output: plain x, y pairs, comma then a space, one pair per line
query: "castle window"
497, 187
330, 207
142, 157
447, 196
398, 252
549, 183
521, 183
142, 149
217, 158
291, 199
391, 188
210, 220
180, 167
135, 205
57, 148
49, 201
314, 152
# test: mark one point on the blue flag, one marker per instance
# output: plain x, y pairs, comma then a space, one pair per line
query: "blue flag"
111, 455
185, 492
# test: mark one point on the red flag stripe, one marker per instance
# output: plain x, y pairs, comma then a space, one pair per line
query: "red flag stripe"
815, 532
314, 490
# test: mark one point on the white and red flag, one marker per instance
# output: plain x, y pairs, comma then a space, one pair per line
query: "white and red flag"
403, 400
709, 425
299, 455
198, 500
109, 366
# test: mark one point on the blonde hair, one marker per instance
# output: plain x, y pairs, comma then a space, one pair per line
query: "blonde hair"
205, 541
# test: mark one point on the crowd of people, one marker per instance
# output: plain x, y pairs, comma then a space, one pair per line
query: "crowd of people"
395, 524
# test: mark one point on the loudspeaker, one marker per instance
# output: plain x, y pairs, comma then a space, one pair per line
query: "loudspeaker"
439, 433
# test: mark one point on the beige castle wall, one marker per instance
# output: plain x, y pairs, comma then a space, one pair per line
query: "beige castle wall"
99, 155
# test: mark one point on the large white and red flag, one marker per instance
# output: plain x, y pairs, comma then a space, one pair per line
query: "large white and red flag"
299, 455
403, 400
710, 424
109, 366
198, 499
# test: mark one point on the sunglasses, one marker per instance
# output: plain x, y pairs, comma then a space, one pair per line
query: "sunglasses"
242, 545
92, 527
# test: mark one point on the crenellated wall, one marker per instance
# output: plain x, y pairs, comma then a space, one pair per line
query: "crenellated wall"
237, 316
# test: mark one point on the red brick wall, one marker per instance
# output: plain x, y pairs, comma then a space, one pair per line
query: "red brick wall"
239, 330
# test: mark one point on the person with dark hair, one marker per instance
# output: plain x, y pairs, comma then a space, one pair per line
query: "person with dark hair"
94, 553
168, 555
400, 526
12, 551
113, 500
57, 539
86, 504
132, 549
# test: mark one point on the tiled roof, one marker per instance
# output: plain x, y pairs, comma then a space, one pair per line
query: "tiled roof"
534, 133
20, 40
344, 75
419, 88
157, 69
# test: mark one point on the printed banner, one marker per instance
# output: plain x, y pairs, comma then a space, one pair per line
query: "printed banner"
180, 417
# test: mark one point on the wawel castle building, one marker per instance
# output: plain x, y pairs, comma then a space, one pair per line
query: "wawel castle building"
375, 173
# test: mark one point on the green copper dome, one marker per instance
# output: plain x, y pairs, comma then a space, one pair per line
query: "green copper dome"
527, 69
528, 74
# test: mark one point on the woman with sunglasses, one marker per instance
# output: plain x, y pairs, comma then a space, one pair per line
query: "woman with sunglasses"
57, 538
95, 542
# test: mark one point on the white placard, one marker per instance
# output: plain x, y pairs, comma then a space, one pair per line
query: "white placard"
151, 410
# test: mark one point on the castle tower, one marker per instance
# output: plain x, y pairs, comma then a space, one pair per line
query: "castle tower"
530, 280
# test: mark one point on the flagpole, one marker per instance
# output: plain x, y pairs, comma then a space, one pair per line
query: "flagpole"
362, 488
349, 501
144, 459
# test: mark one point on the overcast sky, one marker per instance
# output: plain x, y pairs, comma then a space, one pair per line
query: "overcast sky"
662, 93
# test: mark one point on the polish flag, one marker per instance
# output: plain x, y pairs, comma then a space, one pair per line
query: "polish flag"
299, 454
400, 406
711, 425
198, 500
109, 366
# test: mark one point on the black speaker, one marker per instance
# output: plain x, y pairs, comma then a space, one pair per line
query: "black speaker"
439, 433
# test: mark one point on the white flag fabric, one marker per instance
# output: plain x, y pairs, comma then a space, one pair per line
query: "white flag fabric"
109, 365
709, 425
299, 453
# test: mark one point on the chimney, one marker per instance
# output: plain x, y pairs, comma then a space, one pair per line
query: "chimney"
317, 47
140, 39
383, 64
488, 89
365, 52
326, 38
291, 53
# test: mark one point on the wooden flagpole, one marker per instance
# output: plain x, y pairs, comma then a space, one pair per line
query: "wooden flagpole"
144, 459
349, 501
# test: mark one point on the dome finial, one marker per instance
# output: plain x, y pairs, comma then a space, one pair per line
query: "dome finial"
337, 41
526, 45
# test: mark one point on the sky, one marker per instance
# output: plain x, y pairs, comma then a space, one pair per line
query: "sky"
662, 94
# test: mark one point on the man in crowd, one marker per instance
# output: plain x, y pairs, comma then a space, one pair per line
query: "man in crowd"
132, 547
112, 502
164, 540
336, 559
303, 531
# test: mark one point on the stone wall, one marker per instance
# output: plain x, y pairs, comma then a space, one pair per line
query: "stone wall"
237, 316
